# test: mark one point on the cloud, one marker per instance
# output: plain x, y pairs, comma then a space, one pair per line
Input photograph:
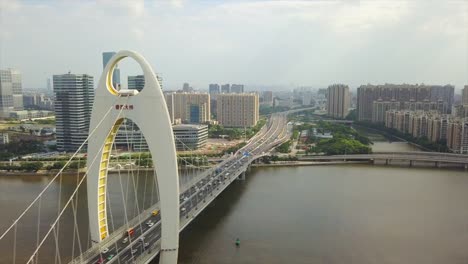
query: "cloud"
177, 3
339, 16
307, 42
9, 6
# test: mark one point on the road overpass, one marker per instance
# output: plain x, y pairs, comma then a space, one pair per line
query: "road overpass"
437, 158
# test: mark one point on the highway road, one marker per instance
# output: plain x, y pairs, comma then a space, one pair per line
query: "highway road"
147, 233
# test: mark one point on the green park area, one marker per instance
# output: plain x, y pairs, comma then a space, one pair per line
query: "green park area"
331, 139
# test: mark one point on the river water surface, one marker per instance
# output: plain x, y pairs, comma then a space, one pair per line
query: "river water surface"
317, 214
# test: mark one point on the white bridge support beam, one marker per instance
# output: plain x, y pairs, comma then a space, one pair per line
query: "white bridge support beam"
148, 110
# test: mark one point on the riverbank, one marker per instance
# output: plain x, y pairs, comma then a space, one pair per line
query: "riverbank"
391, 136
394, 163
306, 163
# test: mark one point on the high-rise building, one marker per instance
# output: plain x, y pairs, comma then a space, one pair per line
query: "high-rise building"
307, 99
465, 95
457, 136
106, 56
189, 107
17, 89
437, 128
74, 96
187, 88
49, 84
410, 97
160, 80
379, 109
430, 124
170, 105
226, 88
267, 97
338, 100
196, 113
460, 111
136, 82
237, 88
11, 92
214, 90
238, 110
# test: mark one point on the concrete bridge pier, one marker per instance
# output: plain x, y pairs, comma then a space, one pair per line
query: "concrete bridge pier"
411, 163
437, 164
466, 166
241, 176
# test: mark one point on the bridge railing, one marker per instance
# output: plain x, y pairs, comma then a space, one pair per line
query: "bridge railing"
114, 236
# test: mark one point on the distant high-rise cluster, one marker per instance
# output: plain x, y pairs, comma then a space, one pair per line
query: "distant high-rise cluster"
267, 98
74, 96
226, 88
38, 100
137, 82
187, 88
237, 88
238, 110
373, 100
189, 107
338, 100
433, 125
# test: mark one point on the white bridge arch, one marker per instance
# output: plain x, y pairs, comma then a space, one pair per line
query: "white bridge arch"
148, 111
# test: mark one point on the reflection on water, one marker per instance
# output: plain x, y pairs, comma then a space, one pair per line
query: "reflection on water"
335, 214
16, 192
396, 146
384, 144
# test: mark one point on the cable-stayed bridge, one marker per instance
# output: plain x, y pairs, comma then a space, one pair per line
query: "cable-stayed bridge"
151, 230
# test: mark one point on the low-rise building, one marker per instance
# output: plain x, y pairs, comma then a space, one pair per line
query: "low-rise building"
190, 137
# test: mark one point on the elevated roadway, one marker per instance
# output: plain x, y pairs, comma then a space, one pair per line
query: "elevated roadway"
143, 245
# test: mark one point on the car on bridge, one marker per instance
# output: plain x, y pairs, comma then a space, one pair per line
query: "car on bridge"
130, 232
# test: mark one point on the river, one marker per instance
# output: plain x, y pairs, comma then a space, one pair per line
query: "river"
318, 214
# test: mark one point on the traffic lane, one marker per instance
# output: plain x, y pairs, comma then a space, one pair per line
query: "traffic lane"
195, 195
115, 249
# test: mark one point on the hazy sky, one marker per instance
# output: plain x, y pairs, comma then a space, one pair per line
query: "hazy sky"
294, 43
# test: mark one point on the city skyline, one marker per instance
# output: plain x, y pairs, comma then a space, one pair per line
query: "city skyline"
329, 51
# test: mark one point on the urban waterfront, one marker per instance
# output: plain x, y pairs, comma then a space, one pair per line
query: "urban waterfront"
319, 214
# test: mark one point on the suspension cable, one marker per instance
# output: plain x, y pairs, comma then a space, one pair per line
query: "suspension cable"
133, 180
74, 208
122, 189
36, 251
57, 251
54, 178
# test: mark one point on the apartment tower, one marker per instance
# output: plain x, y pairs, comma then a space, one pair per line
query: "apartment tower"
338, 100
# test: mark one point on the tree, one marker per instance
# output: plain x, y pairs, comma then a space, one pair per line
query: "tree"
31, 166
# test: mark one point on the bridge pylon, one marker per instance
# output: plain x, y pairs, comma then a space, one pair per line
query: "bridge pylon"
147, 109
